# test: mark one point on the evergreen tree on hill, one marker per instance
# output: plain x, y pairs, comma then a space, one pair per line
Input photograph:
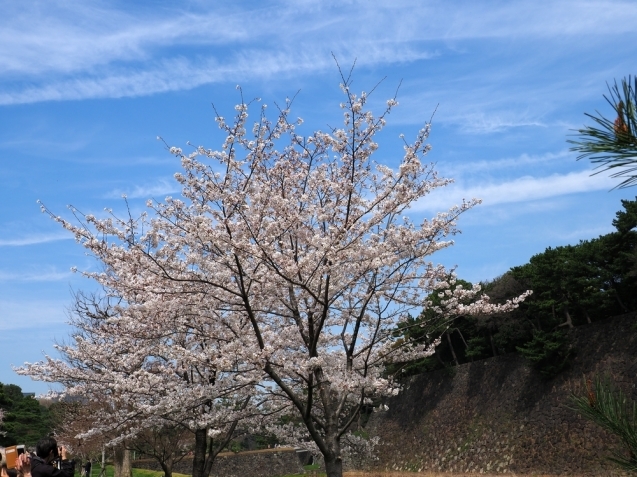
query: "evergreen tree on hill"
572, 285
25, 420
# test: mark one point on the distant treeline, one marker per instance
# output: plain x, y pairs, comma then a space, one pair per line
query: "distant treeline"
25, 420
572, 285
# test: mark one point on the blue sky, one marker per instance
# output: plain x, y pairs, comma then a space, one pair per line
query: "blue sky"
87, 86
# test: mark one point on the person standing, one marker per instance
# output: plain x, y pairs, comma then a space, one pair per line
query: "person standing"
47, 454
87, 468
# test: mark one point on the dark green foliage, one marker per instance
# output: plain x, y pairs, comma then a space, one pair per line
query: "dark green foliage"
609, 408
548, 352
476, 347
578, 284
550, 275
612, 143
427, 328
10, 394
467, 338
505, 331
572, 285
25, 420
626, 220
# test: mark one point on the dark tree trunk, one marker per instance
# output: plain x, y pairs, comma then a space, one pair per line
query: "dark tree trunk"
453, 352
569, 321
204, 455
121, 462
332, 458
466, 346
493, 350
333, 466
619, 300
199, 459
167, 467
437, 355
588, 318
210, 458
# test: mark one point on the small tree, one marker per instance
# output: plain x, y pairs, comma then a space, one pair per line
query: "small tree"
73, 417
548, 352
610, 409
612, 144
168, 445
138, 372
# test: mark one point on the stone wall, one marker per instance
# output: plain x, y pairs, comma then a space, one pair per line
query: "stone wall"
497, 415
262, 463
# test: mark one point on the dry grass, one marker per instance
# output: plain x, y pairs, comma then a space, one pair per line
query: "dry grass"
378, 473
432, 474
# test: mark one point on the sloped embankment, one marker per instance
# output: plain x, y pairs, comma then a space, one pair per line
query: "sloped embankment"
497, 415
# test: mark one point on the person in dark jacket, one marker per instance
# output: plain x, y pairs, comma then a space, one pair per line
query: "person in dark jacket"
47, 454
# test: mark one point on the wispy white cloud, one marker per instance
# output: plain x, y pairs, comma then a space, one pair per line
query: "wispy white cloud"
481, 123
489, 101
78, 36
523, 189
470, 170
34, 239
35, 276
59, 146
497, 215
157, 190
52, 37
180, 73
534, 89
533, 19
523, 161
93, 50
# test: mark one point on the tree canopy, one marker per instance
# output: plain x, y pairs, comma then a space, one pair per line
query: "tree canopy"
572, 285
279, 275
25, 420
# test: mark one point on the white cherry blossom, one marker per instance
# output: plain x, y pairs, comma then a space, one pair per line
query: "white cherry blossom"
283, 267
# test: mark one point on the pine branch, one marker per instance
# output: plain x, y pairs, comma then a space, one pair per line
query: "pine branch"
610, 409
612, 144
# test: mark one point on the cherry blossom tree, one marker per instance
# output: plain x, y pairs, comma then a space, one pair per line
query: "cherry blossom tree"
284, 267
167, 444
72, 418
122, 365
